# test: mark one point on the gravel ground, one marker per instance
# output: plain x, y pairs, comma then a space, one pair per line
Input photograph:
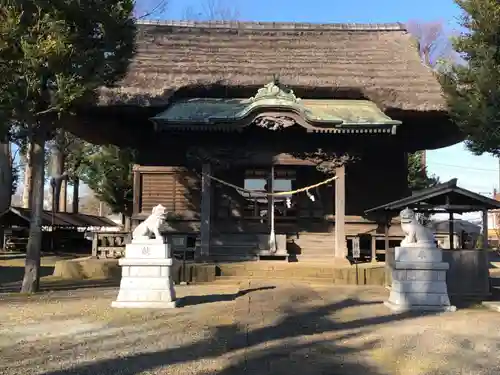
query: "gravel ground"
257, 327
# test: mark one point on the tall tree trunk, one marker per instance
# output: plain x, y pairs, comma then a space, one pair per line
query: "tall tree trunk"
76, 195
27, 180
127, 223
63, 196
57, 171
5, 176
31, 280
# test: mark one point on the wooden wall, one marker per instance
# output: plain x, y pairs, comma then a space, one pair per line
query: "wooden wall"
374, 180
176, 188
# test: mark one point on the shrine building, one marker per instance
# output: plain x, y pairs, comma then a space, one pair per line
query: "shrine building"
273, 139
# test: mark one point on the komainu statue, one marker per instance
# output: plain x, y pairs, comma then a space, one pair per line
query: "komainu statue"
151, 226
416, 235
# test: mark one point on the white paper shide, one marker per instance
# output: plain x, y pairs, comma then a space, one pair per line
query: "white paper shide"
419, 273
147, 267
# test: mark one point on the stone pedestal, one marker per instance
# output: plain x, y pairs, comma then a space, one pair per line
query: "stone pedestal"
419, 280
146, 276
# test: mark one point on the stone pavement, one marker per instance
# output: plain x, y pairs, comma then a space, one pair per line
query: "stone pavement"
256, 327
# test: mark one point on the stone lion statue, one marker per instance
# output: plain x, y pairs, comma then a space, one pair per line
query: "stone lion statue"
416, 235
151, 226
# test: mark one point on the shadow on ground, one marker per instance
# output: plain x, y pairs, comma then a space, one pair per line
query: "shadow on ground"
285, 347
14, 274
49, 285
210, 298
8, 256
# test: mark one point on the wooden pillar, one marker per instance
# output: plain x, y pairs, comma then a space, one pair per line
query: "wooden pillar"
137, 193
374, 248
95, 245
485, 230
270, 210
206, 205
63, 196
386, 234
451, 232
340, 239
75, 201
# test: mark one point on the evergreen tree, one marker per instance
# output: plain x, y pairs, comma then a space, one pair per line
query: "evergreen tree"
472, 89
107, 170
418, 178
53, 56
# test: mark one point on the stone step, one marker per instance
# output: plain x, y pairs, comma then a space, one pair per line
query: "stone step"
232, 258
316, 252
310, 273
233, 247
315, 239
327, 258
240, 244
316, 246
316, 234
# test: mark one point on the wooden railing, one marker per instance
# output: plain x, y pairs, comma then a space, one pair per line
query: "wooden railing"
110, 244
371, 251
15, 243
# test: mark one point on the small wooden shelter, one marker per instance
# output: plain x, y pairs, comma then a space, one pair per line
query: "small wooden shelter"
446, 197
58, 229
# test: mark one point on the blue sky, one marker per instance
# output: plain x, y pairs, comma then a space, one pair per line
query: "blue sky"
477, 173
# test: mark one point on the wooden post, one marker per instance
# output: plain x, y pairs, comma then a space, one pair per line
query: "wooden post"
95, 245
340, 239
451, 232
485, 230
270, 211
374, 248
206, 203
63, 196
137, 193
386, 235
76, 195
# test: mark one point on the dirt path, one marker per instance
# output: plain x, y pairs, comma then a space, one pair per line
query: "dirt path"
252, 328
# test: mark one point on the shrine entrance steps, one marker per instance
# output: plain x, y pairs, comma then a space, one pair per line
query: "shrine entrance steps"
304, 246
330, 273
313, 247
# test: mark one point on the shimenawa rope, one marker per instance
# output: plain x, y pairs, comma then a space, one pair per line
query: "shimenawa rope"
280, 193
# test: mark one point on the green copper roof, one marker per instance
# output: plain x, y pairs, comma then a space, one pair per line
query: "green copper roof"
319, 112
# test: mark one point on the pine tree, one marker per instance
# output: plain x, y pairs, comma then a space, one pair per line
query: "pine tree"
472, 88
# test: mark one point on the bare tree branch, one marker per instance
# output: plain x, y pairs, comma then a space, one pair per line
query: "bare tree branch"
434, 43
158, 8
213, 10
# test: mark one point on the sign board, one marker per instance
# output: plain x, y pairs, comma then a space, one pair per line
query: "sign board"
356, 251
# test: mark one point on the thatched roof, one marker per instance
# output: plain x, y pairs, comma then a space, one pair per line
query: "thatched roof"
379, 62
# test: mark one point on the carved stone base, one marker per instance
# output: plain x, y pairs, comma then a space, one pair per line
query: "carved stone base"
144, 305
146, 277
144, 240
419, 281
401, 308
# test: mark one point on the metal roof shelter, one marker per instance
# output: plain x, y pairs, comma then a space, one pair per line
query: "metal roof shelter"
445, 197
21, 217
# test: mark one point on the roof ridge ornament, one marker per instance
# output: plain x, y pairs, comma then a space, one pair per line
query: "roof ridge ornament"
273, 90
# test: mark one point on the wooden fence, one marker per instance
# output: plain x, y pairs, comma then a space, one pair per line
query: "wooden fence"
110, 244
